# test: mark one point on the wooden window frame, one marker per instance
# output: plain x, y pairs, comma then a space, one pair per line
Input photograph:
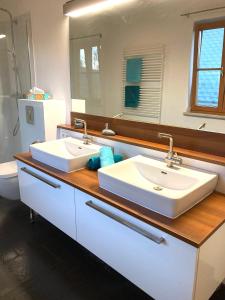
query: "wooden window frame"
220, 110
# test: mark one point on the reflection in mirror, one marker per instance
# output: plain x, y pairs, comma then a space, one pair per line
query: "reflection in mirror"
137, 60
85, 73
16, 77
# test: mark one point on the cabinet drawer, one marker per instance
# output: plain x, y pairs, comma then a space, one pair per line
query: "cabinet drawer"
51, 198
161, 265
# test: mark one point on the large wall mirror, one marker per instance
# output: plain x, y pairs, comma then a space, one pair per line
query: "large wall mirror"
136, 60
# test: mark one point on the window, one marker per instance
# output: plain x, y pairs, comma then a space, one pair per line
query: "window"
85, 70
82, 59
95, 60
208, 84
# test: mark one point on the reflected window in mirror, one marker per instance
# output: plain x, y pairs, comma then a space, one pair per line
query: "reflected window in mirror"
85, 70
82, 60
208, 85
95, 58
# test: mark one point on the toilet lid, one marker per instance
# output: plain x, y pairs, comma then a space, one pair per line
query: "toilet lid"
8, 169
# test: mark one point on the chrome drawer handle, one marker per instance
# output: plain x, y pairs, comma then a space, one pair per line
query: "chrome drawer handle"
54, 185
143, 232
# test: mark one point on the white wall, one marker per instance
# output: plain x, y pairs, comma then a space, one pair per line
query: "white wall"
50, 31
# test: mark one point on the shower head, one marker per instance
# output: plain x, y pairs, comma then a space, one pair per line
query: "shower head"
7, 12
11, 27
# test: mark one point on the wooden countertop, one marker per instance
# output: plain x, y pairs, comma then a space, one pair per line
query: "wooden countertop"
215, 159
194, 227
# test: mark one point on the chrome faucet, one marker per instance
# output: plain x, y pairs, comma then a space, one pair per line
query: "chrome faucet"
86, 138
172, 157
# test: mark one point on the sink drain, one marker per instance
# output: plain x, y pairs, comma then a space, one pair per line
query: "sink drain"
158, 188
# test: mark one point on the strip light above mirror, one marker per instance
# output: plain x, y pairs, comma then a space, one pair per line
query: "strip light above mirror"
79, 8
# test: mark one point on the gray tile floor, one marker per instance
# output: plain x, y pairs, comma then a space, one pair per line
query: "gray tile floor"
39, 262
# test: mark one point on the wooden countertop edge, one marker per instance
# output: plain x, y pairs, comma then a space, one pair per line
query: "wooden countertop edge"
214, 159
108, 198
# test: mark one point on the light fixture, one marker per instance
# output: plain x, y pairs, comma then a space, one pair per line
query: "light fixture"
2, 36
78, 8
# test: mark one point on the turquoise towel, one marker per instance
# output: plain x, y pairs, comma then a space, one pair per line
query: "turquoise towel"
94, 162
132, 95
106, 156
134, 68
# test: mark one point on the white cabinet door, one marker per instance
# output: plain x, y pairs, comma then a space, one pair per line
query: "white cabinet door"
165, 271
51, 198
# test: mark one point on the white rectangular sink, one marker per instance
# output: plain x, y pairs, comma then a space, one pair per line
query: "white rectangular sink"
150, 183
67, 154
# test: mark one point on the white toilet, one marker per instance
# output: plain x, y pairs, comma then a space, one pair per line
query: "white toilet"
9, 184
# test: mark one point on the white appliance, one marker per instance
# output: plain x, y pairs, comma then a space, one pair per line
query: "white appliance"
39, 120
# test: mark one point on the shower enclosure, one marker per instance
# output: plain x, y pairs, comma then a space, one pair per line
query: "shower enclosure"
15, 77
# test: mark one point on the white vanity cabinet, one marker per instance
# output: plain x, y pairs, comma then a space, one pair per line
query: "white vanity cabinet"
163, 266
165, 270
51, 198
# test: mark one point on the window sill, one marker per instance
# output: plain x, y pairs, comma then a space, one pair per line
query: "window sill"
201, 115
